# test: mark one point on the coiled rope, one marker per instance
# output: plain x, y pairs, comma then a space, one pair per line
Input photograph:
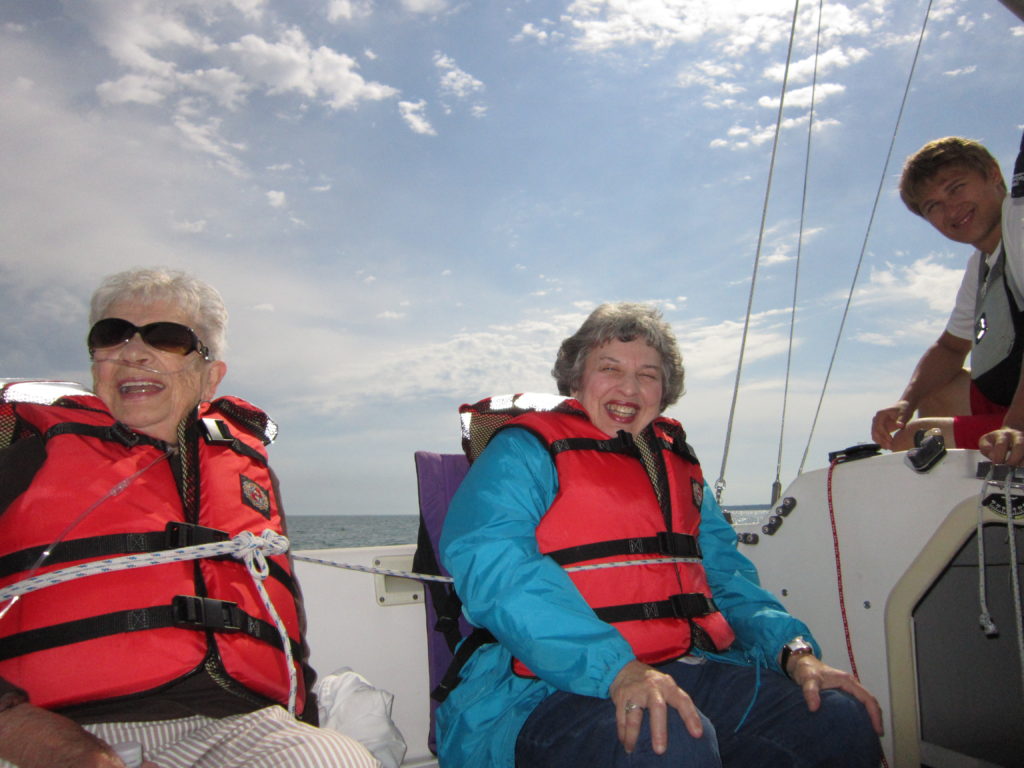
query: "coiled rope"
985, 619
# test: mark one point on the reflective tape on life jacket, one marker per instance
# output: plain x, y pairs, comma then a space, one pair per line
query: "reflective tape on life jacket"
606, 509
127, 632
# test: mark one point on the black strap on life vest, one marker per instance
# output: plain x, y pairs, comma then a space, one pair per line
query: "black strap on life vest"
682, 606
184, 612
446, 602
451, 679
175, 535
664, 543
115, 433
621, 443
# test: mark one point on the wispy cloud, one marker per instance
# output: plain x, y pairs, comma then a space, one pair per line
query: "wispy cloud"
413, 114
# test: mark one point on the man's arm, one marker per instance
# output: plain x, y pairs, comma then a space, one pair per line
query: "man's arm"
937, 368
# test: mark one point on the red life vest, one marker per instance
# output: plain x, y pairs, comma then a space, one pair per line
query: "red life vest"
132, 631
606, 510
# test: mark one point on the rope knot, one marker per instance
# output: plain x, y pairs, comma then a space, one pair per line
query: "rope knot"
253, 550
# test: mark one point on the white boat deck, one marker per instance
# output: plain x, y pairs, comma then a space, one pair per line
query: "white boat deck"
386, 644
897, 530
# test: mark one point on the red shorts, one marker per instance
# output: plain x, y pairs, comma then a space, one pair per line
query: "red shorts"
985, 417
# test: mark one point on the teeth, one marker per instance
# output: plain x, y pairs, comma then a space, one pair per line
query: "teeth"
139, 387
622, 410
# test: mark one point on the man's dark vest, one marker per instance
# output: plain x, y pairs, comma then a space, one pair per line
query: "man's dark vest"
998, 342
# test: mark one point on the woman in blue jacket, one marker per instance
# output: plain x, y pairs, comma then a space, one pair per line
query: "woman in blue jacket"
678, 657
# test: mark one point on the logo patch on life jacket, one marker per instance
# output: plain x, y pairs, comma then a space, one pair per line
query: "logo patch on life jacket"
256, 496
980, 328
698, 492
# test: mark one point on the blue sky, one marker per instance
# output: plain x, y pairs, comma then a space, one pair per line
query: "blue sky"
407, 204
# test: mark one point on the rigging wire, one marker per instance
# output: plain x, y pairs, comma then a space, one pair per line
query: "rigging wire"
867, 234
777, 485
720, 482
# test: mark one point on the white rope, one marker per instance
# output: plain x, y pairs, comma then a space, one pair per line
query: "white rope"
252, 550
1015, 577
985, 618
129, 562
988, 625
247, 546
448, 579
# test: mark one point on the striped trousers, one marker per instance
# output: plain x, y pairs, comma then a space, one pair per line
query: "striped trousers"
266, 738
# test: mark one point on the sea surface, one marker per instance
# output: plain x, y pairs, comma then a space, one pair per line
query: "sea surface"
327, 531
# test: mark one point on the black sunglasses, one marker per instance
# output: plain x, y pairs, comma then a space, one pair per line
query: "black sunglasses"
165, 336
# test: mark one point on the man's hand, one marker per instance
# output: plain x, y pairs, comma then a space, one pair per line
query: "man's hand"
889, 420
1003, 446
640, 687
813, 675
31, 737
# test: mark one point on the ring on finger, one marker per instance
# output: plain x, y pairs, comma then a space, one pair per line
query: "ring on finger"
631, 705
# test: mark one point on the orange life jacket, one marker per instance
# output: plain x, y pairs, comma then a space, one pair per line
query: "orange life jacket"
606, 510
131, 631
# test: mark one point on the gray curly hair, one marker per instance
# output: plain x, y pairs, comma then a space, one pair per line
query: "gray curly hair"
624, 321
199, 300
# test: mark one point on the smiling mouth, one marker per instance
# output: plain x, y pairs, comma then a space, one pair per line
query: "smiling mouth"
140, 387
621, 411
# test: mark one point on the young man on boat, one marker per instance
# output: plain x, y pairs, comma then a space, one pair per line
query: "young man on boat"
956, 186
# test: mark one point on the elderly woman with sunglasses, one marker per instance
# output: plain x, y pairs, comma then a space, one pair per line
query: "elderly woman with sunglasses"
670, 663
183, 657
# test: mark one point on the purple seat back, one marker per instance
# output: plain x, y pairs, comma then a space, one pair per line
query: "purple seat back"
438, 476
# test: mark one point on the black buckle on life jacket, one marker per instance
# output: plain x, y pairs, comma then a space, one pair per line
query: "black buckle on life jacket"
122, 434
187, 535
193, 612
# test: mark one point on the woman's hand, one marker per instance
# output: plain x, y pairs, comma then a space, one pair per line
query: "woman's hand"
813, 675
32, 737
640, 687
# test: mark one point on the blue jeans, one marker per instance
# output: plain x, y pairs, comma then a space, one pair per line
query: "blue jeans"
779, 731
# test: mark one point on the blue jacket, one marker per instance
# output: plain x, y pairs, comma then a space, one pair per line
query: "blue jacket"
528, 602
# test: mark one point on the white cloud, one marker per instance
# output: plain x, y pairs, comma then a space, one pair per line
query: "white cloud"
926, 279
276, 198
412, 113
961, 72
292, 65
803, 70
140, 89
347, 10
191, 227
801, 97
455, 81
425, 6
225, 86
207, 138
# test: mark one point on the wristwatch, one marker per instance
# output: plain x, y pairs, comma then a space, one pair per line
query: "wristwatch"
795, 647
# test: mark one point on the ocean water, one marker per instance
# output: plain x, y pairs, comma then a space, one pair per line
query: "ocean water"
326, 531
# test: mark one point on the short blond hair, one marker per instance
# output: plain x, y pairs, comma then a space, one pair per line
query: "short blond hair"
921, 167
